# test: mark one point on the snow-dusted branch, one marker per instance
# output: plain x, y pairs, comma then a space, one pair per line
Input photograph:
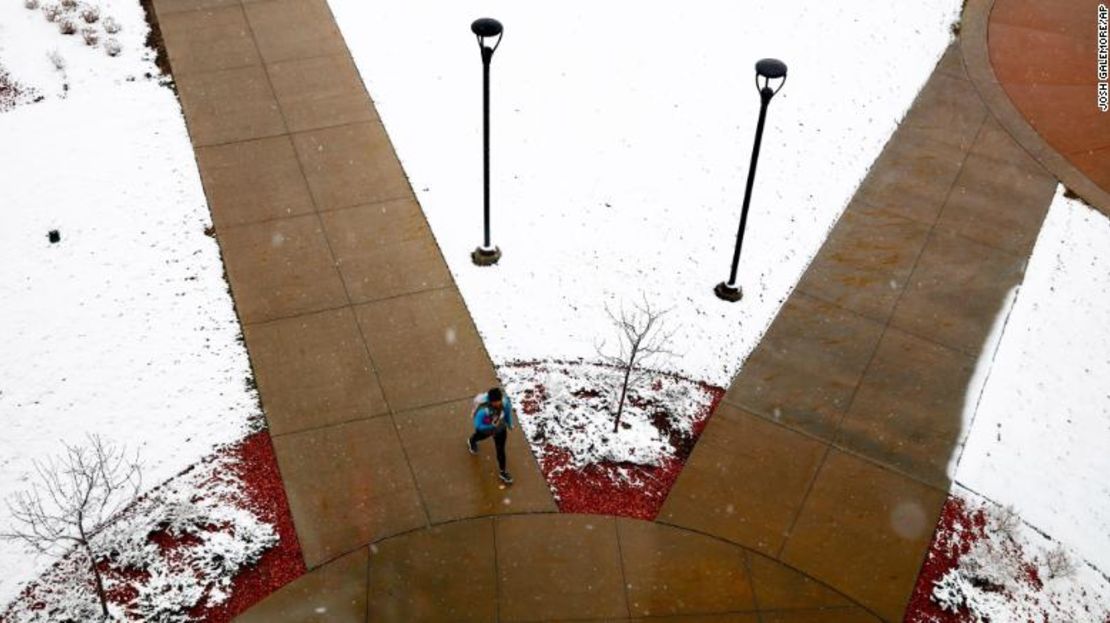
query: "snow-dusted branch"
642, 336
73, 499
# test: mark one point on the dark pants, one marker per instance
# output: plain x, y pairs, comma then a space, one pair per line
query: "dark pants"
499, 436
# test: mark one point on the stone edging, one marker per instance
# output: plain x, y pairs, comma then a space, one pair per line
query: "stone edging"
976, 53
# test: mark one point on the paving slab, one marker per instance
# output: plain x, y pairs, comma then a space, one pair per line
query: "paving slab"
281, 268
864, 264
320, 92
351, 165
229, 105
909, 410
348, 485
167, 7
457, 485
951, 62
914, 173
333, 593
808, 364
1055, 62
314, 371
778, 587
666, 571
291, 29
559, 567
736, 485
1073, 16
425, 349
385, 250
208, 40
947, 110
864, 530
998, 204
253, 181
444, 573
957, 291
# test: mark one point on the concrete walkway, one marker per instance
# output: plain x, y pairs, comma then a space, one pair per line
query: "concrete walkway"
844, 420
825, 466
553, 567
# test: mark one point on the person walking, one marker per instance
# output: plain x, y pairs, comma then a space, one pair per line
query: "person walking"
493, 417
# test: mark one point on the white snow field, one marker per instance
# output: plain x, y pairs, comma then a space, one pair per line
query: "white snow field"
621, 135
1040, 437
124, 327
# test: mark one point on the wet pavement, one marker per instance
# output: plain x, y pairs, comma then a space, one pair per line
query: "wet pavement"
811, 496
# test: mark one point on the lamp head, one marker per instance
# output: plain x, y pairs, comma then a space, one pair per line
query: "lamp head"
769, 69
486, 28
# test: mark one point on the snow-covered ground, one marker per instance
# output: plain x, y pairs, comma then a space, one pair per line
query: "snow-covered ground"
124, 327
1039, 440
621, 135
986, 565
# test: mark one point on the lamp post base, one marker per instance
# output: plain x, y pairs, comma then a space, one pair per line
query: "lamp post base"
485, 257
725, 292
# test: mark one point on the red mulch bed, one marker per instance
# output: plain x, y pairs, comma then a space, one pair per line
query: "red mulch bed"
595, 490
949, 544
257, 466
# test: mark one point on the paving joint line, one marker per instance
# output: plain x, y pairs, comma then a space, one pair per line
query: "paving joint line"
624, 577
496, 572
321, 427
855, 390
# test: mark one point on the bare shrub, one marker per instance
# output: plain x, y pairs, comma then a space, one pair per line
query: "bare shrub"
51, 12
91, 36
57, 60
31, 4
112, 47
67, 26
1005, 521
1059, 564
111, 26
90, 14
73, 499
69, 5
640, 336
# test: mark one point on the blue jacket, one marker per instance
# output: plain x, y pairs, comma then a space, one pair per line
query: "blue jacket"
483, 419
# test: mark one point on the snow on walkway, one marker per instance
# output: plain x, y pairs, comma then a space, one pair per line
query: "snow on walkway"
621, 134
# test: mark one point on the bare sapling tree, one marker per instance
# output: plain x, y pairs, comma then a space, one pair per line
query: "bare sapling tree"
73, 499
642, 336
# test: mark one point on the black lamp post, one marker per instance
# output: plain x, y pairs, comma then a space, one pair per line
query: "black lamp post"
483, 29
768, 69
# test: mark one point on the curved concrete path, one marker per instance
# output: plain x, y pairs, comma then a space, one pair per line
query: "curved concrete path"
826, 463
1034, 63
552, 567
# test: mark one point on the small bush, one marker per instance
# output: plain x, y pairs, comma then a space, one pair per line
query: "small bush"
111, 26
51, 12
31, 4
1059, 564
112, 47
57, 60
91, 36
67, 27
90, 14
69, 5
